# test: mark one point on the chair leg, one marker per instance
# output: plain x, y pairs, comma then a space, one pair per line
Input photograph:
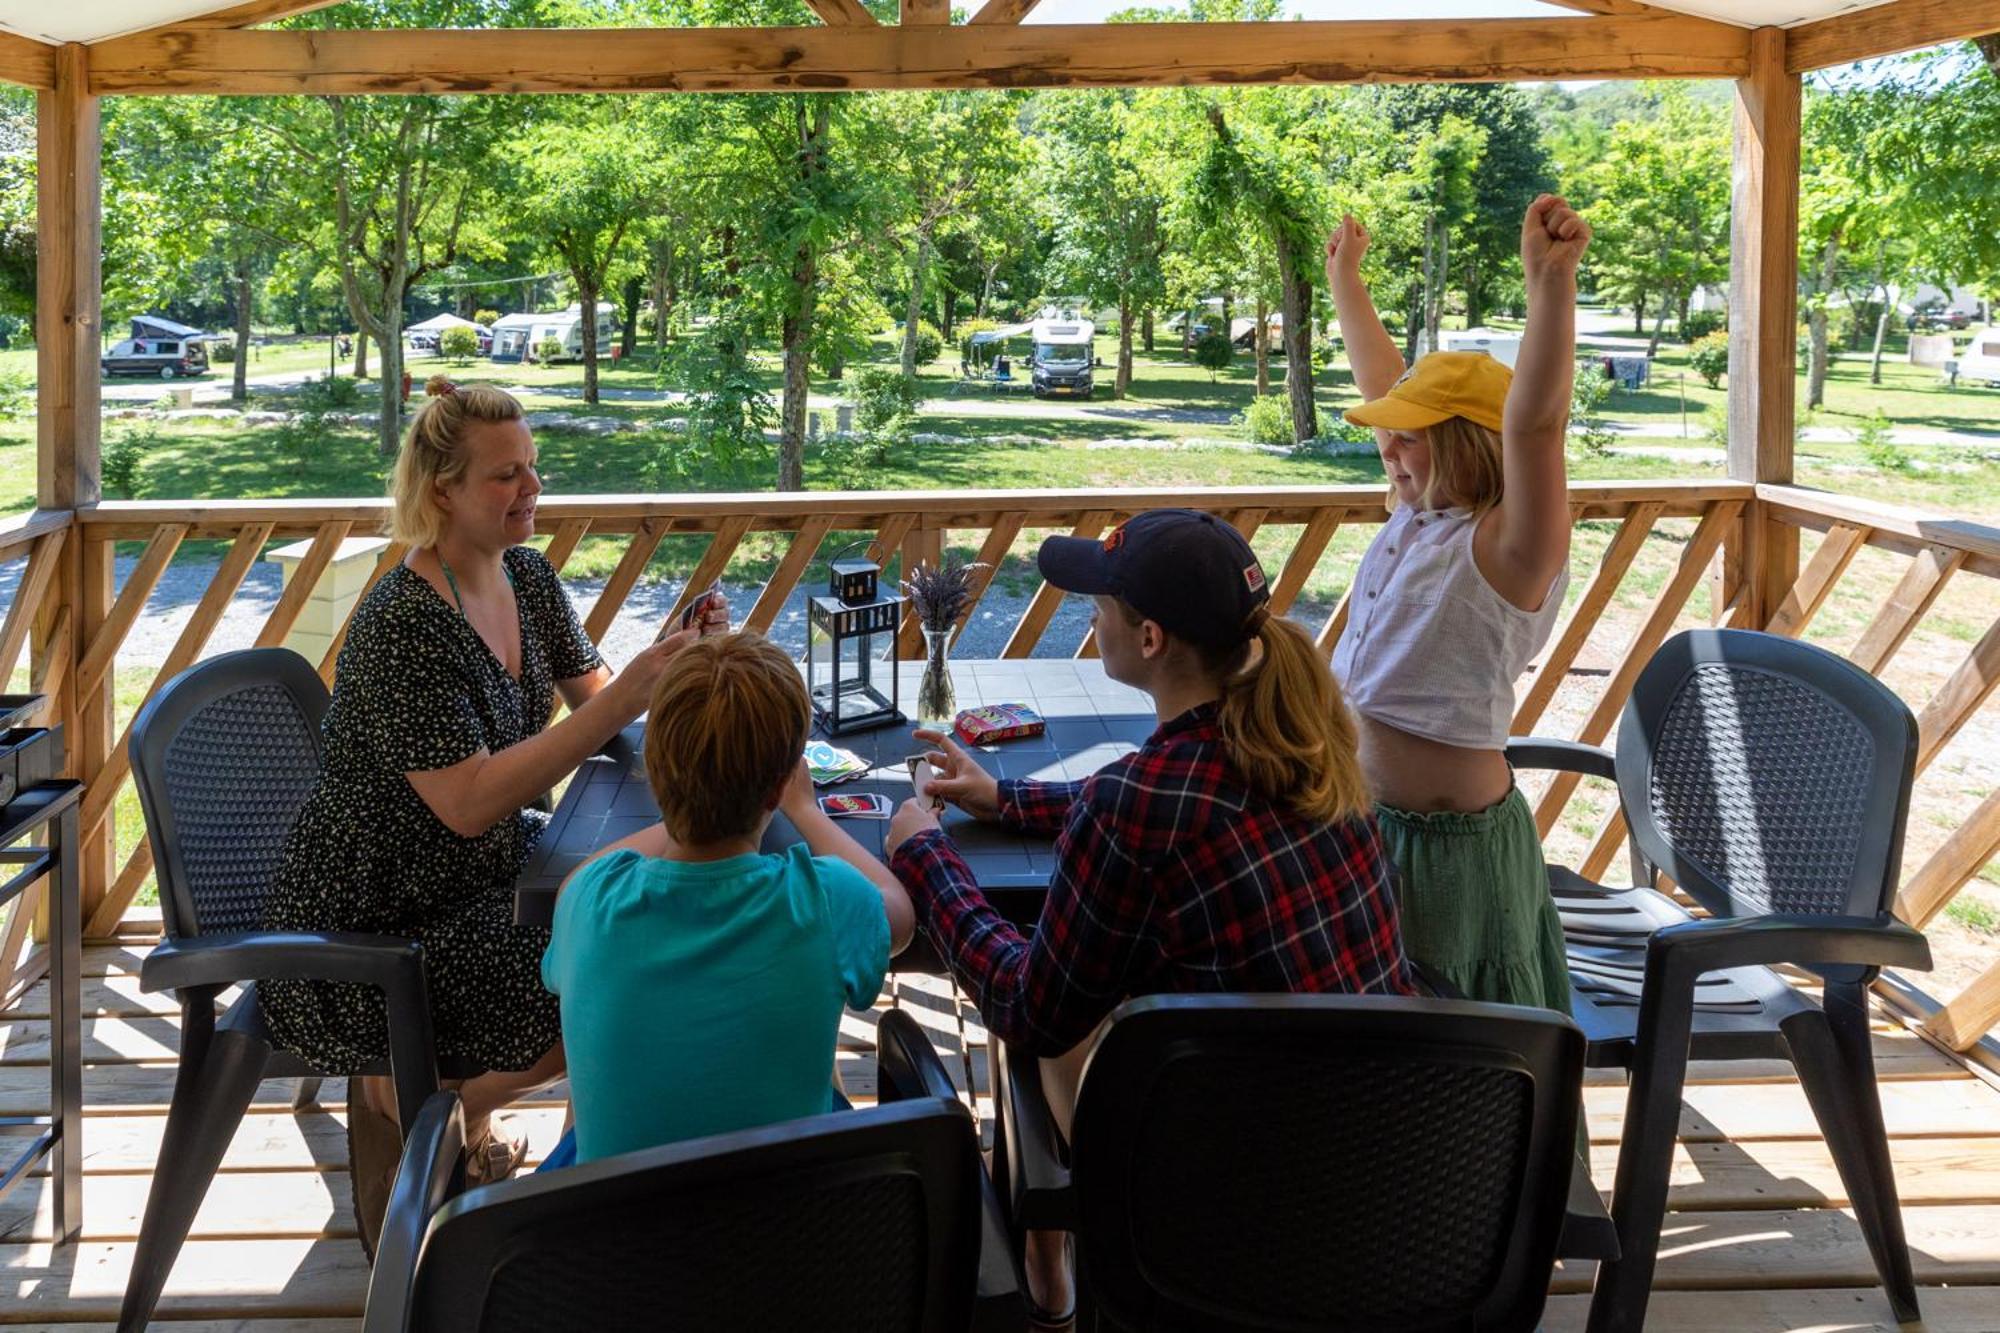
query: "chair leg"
1624, 1285
307, 1095
1835, 1060
208, 1105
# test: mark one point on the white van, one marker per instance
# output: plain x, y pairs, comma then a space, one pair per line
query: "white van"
1063, 354
1980, 362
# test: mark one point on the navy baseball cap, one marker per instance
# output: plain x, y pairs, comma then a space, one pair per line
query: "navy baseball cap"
1188, 571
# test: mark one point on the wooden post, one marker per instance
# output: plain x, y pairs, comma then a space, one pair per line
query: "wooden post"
67, 344
1763, 320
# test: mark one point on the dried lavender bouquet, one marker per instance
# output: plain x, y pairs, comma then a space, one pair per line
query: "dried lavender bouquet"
940, 593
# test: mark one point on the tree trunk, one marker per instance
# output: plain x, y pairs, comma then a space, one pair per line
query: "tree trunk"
1816, 325
1475, 294
796, 328
1297, 291
1122, 383
913, 314
1639, 315
361, 354
1187, 331
1261, 342
1146, 330
1659, 327
949, 323
239, 388
389, 422
1881, 320
586, 293
635, 291
1229, 316
1437, 268
986, 291
1413, 327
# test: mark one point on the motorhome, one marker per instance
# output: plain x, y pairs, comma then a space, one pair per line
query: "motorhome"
1063, 353
1980, 362
520, 337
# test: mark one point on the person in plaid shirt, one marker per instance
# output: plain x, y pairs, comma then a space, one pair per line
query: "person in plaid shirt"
1232, 852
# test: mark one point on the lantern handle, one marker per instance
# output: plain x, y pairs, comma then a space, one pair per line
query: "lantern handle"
863, 543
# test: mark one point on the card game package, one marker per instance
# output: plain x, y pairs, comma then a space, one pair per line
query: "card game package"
997, 722
856, 805
830, 764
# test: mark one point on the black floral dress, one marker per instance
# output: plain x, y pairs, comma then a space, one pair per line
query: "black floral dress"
416, 688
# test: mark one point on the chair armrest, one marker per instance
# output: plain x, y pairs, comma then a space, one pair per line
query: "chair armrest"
1566, 756
390, 963
1587, 1230
1718, 942
432, 1172
1037, 1178
906, 1064
908, 1068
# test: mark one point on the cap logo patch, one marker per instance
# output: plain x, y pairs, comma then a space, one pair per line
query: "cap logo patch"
1254, 576
1116, 539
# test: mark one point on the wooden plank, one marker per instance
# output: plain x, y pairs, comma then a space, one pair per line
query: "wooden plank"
1666, 608
1836, 551
1724, 1112
563, 545
841, 13
805, 544
1618, 556
115, 996
1042, 606
68, 242
95, 716
1749, 1250
1896, 527
625, 577
1304, 559
1885, 30
1763, 304
1956, 1309
889, 537
106, 918
20, 914
1930, 569
307, 1278
17, 530
925, 12
713, 564
826, 59
257, 1206
43, 561
1971, 1014
1959, 697
392, 555
252, 13
1799, 1173
1336, 623
27, 62
145, 576
1003, 11
1971, 845
1604, 847
1000, 537
194, 636
52, 662
305, 577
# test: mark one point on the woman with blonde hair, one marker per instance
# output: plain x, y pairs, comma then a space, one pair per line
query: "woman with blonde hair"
1232, 852
438, 744
1454, 598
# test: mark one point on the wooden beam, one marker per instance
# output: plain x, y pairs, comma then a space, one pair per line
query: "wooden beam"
1902, 25
1836, 550
251, 13
831, 59
841, 13
25, 61
1607, 8
1002, 11
1763, 309
1971, 845
69, 146
925, 13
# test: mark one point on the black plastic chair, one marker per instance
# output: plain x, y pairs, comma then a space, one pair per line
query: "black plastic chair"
223, 757
1770, 781
1306, 1162
857, 1222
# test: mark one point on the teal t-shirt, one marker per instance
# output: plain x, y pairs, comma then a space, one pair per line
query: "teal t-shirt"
700, 998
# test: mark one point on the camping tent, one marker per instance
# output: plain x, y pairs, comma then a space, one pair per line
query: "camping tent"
426, 334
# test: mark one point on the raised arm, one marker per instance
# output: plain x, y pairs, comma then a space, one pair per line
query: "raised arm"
1524, 544
827, 838
1371, 352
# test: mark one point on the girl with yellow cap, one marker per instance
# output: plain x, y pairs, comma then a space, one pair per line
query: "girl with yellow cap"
1454, 598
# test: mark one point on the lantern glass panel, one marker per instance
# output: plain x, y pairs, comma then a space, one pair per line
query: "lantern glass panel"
850, 662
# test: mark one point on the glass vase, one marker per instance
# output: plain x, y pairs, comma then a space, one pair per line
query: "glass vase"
937, 701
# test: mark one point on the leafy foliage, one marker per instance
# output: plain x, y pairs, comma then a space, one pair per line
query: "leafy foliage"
1268, 420
930, 343
728, 409
459, 343
1214, 353
1710, 357
1588, 394
882, 396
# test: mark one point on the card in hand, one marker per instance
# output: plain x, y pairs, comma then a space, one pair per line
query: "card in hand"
699, 607
856, 805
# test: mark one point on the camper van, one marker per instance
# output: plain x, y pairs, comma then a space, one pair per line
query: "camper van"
520, 337
1980, 362
1062, 355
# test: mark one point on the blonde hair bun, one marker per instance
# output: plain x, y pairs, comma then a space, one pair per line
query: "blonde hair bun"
437, 386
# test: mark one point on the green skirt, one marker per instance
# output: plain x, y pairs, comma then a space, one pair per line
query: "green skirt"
1473, 895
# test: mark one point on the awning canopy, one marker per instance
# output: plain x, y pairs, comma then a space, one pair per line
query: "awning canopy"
1001, 334
439, 323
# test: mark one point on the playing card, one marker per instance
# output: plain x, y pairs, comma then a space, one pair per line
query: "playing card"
856, 805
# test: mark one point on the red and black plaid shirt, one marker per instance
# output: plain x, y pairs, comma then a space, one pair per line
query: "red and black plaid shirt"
1171, 876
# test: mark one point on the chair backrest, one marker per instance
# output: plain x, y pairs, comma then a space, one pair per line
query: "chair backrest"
856, 1222
1765, 775
1325, 1162
223, 758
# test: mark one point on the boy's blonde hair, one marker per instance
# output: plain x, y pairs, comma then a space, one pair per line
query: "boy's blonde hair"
1465, 465
434, 454
729, 723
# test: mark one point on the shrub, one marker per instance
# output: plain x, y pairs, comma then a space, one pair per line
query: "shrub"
1213, 353
329, 393
486, 318
124, 459
459, 343
1700, 323
17, 394
728, 409
1587, 396
968, 327
550, 349
930, 343
1268, 420
1709, 356
1875, 436
222, 351
882, 396
1715, 426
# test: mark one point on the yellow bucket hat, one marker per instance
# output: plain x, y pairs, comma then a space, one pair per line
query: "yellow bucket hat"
1442, 385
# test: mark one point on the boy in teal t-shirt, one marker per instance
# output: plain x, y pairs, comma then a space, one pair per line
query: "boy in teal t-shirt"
701, 980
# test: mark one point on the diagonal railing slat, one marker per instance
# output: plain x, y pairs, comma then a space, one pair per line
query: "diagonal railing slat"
1041, 608
713, 561
103, 649
43, 559
305, 577
1842, 543
805, 545
1604, 584
638, 552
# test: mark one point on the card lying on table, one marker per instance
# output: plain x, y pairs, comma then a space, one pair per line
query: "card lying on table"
856, 805
830, 764
997, 722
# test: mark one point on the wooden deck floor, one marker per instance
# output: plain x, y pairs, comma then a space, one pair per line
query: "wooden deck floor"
1757, 1239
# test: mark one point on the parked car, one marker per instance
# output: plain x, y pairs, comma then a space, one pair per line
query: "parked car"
168, 358
1940, 319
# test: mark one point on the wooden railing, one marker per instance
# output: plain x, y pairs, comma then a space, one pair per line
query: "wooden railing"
1675, 533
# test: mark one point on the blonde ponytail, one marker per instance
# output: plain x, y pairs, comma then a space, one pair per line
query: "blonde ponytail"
434, 453
1287, 729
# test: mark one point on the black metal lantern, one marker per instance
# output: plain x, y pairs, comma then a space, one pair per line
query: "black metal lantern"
850, 648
